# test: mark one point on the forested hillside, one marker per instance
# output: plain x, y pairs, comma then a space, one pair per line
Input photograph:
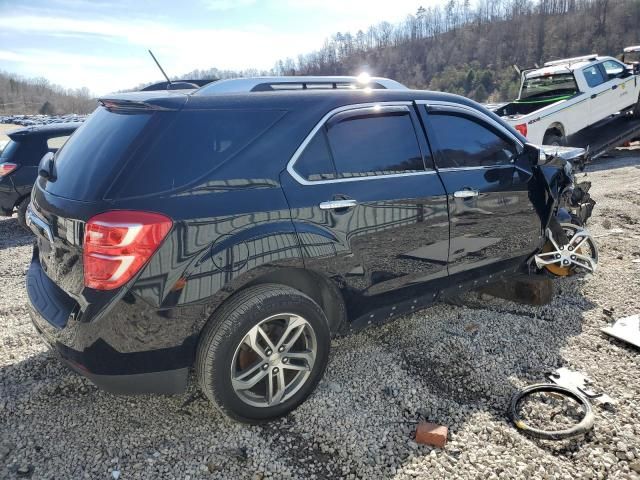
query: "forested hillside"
470, 47
471, 51
31, 96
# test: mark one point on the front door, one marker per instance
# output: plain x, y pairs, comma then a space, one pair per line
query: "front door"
621, 84
492, 217
369, 213
602, 102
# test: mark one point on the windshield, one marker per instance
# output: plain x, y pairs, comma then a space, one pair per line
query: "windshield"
547, 87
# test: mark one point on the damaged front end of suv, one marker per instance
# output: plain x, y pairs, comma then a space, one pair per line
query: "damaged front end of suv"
569, 248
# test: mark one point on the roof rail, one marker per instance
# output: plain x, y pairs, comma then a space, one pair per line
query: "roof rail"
288, 83
584, 58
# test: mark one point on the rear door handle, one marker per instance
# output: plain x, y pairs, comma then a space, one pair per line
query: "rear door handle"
338, 204
594, 96
465, 194
614, 87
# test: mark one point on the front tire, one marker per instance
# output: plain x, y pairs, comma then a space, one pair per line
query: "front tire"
263, 352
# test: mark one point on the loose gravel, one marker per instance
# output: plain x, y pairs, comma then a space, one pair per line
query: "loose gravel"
453, 365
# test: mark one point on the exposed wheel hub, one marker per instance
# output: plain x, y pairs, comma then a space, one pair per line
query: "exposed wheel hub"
580, 253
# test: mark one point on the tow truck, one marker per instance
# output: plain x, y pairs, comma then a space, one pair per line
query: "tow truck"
590, 101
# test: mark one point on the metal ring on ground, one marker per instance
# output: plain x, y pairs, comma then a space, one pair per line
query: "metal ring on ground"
584, 426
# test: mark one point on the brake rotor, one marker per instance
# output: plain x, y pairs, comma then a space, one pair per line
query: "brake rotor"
554, 268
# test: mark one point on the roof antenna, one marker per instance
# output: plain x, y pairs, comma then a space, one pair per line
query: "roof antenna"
161, 69
178, 84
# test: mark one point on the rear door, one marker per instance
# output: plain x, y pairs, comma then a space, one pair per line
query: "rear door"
488, 186
369, 208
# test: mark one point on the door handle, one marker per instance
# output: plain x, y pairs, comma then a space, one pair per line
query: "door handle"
338, 204
465, 194
614, 87
594, 96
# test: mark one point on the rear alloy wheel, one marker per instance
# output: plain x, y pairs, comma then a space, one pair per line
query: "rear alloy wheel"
274, 360
263, 352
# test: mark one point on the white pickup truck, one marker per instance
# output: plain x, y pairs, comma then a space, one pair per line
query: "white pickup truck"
566, 96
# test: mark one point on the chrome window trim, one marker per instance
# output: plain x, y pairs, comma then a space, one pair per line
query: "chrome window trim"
472, 112
320, 124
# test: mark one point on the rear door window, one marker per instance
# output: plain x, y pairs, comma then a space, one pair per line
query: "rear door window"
593, 76
316, 162
464, 142
366, 145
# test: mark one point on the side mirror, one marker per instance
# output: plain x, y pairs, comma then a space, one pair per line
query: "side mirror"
46, 166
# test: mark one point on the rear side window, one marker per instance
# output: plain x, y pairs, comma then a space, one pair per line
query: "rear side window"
151, 152
194, 144
463, 142
593, 76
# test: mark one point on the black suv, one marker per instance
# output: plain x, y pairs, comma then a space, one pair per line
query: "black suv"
236, 233
19, 163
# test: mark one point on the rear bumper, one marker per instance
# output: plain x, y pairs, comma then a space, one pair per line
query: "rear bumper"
81, 345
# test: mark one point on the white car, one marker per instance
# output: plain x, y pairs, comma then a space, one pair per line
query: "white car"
566, 96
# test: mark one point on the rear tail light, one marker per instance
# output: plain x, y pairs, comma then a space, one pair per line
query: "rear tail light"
117, 244
6, 168
522, 128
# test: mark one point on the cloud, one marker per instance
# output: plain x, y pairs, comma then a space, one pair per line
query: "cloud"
223, 5
126, 63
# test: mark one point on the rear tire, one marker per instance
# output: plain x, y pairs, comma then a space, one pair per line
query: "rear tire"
233, 353
554, 140
22, 212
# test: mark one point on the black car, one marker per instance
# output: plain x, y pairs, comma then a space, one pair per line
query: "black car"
236, 233
19, 163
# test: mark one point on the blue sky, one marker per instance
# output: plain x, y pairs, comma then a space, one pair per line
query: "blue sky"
103, 44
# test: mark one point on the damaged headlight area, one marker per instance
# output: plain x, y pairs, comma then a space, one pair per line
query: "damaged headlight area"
569, 248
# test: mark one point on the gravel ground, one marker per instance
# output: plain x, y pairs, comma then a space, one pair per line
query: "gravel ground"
453, 365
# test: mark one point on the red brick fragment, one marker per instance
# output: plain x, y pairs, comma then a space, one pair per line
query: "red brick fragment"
431, 434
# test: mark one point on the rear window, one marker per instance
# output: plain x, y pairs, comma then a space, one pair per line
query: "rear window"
85, 165
544, 87
7, 151
151, 152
